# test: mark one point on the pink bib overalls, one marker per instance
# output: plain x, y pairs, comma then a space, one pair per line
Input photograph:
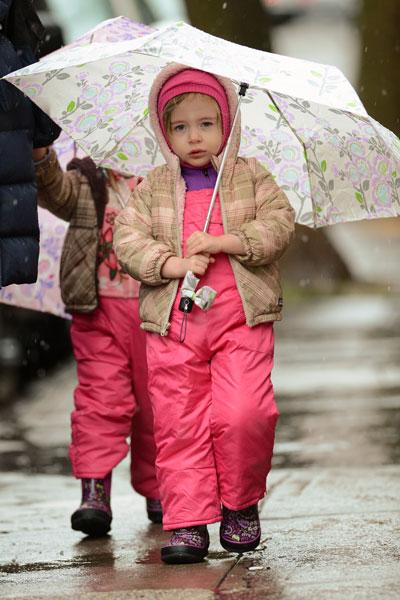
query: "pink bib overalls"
212, 397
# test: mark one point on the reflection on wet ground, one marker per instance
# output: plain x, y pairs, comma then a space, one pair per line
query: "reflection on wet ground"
337, 380
329, 517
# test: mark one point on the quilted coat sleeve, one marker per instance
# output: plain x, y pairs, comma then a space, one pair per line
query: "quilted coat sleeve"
267, 237
58, 191
139, 254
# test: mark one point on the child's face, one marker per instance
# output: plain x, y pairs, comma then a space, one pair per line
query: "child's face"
195, 133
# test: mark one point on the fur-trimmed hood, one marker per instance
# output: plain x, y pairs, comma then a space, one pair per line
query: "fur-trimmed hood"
170, 158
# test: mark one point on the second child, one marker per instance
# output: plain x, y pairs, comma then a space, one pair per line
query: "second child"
111, 399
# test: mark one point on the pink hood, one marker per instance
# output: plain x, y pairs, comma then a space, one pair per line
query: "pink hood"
170, 158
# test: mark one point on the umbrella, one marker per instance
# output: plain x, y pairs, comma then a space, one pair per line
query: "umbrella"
44, 295
302, 120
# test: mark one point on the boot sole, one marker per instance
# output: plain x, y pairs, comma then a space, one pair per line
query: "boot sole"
239, 548
94, 523
182, 555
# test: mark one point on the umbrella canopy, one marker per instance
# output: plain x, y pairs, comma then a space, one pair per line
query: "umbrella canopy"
302, 120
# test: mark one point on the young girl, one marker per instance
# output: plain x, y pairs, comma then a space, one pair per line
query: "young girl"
211, 394
108, 345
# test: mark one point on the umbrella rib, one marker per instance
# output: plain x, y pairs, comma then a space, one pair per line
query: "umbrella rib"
300, 142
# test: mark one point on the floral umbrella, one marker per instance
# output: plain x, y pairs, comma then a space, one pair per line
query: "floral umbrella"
302, 120
44, 295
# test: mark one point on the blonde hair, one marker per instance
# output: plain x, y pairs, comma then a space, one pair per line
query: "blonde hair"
174, 102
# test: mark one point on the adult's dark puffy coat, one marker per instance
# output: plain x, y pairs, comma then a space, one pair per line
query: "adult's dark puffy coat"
22, 126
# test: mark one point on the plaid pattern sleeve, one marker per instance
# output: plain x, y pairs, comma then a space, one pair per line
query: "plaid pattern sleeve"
138, 252
266, 237
58, 191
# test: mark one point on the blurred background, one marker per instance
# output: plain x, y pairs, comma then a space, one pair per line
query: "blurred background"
362, 38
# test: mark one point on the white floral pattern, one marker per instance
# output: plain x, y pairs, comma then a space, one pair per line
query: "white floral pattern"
302, 120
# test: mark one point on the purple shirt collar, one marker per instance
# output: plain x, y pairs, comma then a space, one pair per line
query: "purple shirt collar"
199, 178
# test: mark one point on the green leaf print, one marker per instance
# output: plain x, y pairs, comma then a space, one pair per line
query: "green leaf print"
122, 156
359, 197
145, 112
273, 108
323, 166
316, 73
71, 106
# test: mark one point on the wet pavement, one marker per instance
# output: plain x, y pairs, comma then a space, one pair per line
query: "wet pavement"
331, 519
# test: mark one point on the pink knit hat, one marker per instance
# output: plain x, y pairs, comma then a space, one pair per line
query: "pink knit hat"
192, 80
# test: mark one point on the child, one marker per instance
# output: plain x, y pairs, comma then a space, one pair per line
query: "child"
212, 397
108, 344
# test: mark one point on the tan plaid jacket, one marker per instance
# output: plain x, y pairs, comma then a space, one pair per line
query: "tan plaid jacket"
68, 196
253, 207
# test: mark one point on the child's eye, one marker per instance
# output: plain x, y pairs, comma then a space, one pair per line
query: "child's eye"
179, 128
207, 124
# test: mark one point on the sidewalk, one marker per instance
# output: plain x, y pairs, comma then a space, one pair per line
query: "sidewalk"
331, 519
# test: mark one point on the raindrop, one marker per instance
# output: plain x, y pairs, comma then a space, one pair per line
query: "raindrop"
384, 92
389, 288
224, 5
47, 37
15, 202
365, 49
304, 238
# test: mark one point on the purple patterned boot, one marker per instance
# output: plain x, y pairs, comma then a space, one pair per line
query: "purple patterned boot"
186, 545
240, 530
154, 510
93, 517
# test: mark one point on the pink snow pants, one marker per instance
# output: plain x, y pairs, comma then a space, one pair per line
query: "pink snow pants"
212, 398
111, 399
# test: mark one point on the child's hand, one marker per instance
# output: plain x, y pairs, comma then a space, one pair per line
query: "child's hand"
39, 153
176, 267
199, 263
202, 243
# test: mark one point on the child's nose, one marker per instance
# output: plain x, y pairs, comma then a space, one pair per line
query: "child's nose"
194, 134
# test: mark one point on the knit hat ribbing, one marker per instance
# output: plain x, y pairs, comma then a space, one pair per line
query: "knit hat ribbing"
193, 80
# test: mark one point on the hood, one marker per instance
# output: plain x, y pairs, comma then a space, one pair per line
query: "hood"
5, 6
232, 96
